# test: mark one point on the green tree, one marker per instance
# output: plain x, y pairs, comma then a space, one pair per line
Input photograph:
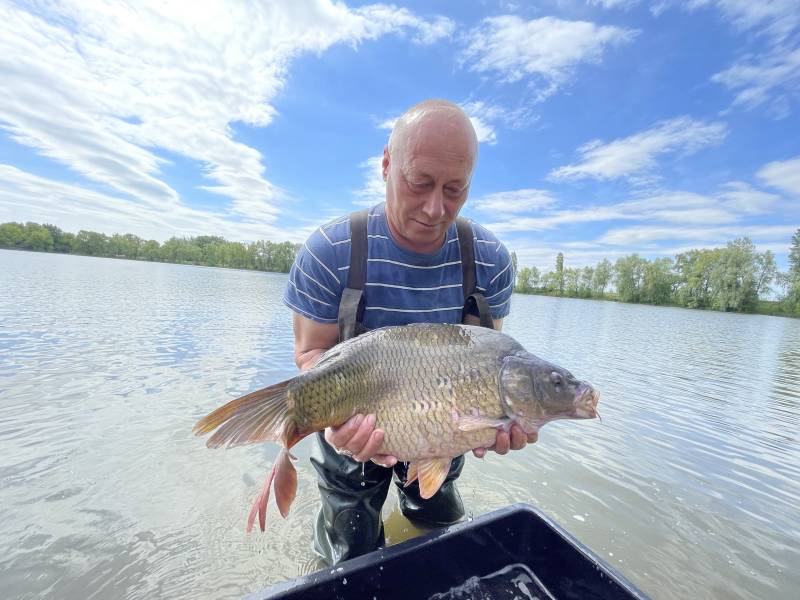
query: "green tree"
527, 280
12, 235
571, 278
62, 241
37, 238
150, 250
550, 281
91, 243
629, 277
560, 272
733, 279
693, 270
766, 271
658, 281
602, 277
586, 282
791, 280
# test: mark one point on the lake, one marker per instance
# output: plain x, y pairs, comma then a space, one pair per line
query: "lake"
690, 486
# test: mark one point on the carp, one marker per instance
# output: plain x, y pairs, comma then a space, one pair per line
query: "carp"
436, 390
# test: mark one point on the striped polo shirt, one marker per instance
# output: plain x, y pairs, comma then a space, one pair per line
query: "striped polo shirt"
401, 286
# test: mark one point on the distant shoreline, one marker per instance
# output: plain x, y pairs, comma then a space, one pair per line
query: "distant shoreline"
142, 260
769, 312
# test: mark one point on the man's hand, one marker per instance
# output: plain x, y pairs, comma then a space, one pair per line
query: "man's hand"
516, 439
357, 437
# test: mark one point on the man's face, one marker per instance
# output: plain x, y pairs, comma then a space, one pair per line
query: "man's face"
427, 184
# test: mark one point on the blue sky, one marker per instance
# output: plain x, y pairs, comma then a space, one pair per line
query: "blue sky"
607, 126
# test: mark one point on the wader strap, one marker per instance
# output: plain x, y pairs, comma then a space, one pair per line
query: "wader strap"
351, 304
474, 301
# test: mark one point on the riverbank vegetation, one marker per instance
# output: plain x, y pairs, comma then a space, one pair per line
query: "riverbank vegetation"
207, 250
734, 278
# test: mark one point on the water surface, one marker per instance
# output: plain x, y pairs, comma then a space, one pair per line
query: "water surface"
690, 486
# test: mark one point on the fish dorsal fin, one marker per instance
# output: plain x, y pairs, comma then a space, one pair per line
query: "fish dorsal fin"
431, 473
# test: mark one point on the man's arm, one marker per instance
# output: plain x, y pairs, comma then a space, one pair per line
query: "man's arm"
312, 340
357, 436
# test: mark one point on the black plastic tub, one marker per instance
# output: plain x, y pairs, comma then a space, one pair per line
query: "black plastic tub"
514, 552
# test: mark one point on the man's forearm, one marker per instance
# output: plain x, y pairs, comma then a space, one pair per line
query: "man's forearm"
306, 360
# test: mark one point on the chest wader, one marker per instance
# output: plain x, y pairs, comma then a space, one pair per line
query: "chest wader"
349, 523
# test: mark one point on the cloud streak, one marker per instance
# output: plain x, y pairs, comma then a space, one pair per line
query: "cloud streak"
636, 155
547, 49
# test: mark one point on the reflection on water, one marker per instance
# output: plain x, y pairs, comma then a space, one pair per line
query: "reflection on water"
690, 486
514, 582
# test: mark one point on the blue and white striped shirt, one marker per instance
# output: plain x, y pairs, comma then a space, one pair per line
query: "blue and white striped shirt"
401, 287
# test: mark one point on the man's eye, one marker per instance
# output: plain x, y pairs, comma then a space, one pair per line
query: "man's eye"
453, 191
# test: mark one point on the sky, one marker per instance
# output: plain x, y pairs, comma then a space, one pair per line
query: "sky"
606, 127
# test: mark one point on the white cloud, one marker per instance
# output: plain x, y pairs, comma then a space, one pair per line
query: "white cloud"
773, 79
636, 155
734, 203
28, 197
613, 3
747, 200
776, 18
374, 188
644, 235
783, 175
548, 49
513, 202
104, 87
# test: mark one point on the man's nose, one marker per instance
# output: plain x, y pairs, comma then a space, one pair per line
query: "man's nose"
433, 207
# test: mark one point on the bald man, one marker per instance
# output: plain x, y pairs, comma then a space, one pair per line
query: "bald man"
410, 266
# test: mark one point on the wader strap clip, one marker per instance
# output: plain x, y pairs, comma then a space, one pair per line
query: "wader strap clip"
351, 306
474, 301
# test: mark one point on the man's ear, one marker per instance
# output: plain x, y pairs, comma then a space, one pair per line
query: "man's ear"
385, 163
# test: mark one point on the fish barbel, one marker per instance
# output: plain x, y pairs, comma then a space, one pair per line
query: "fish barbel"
437, 391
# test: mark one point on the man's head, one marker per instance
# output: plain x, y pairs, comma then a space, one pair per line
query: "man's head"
427, 167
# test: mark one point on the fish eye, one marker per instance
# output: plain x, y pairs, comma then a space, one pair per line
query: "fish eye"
555, 378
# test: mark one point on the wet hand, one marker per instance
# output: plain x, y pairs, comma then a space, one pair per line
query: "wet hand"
357, 437
515, 439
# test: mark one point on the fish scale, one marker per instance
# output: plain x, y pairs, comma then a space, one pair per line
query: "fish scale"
400, 381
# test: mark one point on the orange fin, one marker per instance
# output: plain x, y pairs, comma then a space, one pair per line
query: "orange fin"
431, 473
284, 475
257, 417
470, 423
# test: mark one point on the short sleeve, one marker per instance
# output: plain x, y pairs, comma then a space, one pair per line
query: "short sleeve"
314, 287
495, 271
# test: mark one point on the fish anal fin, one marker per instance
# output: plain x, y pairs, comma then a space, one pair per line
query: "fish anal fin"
431, 473
474, 423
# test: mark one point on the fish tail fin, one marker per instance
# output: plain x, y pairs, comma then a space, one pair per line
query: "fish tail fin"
284, 476
261, 416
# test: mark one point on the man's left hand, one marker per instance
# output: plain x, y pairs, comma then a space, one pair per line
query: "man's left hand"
516, 439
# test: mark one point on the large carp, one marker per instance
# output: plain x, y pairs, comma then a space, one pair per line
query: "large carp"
437, 391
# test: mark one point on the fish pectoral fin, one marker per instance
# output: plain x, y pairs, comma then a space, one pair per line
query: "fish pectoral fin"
472, 423
430, 472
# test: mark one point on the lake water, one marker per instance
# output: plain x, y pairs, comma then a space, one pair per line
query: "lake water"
690, 486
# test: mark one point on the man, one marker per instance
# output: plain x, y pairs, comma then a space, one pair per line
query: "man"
413, 274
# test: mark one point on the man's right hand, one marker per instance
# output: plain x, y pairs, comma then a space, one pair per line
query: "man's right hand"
357, 437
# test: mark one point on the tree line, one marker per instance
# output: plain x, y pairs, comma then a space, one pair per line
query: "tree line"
734, 278
207, 250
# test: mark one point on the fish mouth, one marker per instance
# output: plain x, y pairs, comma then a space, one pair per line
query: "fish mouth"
585, 404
